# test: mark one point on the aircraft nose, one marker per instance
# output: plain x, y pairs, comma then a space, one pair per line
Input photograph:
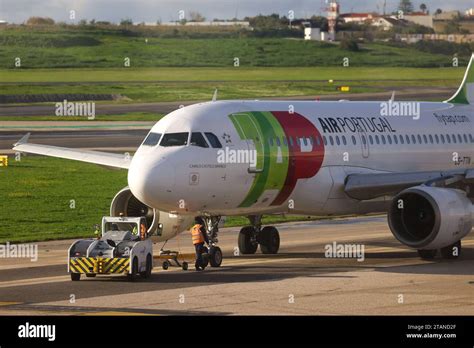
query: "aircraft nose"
151, 181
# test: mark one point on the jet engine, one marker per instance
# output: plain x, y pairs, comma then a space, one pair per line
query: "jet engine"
424, 217
161, 225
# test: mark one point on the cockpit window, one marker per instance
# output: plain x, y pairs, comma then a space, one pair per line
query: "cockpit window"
213, 140
174, 139
197, 139
152, 139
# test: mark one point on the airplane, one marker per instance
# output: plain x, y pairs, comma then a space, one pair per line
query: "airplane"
411, 160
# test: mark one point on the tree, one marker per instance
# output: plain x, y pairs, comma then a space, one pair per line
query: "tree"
196, 17
406, 6
423, 8
125, 22
439, 11
39, 21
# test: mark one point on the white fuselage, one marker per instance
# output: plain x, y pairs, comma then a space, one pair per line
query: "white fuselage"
304, 151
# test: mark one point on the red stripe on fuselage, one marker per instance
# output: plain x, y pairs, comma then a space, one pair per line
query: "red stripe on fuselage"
302, 164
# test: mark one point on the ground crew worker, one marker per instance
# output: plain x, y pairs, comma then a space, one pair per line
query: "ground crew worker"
97, 232
142, 232
199, 236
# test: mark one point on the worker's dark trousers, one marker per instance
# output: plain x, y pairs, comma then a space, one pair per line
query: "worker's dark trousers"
199, 250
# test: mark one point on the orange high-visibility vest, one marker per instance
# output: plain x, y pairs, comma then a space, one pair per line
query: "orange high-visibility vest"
197, 235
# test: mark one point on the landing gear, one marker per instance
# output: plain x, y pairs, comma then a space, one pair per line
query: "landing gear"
452, 251
214, 254
269, 240
251, 236
247, 240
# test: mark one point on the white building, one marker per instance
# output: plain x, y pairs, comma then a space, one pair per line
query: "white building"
312, 34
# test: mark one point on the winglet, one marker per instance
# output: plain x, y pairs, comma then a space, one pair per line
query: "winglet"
465, 93
23, 140
214, 97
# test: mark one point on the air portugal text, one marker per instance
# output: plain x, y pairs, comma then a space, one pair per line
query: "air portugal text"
355, 124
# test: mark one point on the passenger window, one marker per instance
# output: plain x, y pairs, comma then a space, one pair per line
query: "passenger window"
460, 138
270, 141
425, 139
470, 138
371, 140
291, 141
419, 139
285, 141
152, 139
213, 140
448, 138
318, 141
383, 139
407, 138
354, 141
442, 138
278, 142
338, 142
305, 141
395, 139
436, 138
197, 139
325, 140
401, 139
413, 139
344, 141
465, 138
377, 140
431, 139
389, 138
174, 139
454, 138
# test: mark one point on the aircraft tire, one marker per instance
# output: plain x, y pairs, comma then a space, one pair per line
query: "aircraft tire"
246, 246
269, 240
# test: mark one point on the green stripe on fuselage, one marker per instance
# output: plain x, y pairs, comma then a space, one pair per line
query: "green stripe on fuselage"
258, 127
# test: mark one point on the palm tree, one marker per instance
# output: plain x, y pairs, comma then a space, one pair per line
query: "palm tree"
423, 8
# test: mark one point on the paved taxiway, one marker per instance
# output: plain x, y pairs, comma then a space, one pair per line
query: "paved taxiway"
299, 280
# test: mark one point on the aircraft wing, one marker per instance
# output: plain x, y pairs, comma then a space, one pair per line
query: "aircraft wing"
369, 186
96, 157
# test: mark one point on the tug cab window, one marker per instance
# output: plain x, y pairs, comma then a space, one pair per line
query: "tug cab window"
197, 139
213, 140
152, 139
174, 139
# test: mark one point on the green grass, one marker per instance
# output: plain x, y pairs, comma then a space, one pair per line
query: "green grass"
36, 195
46, 48
184, 75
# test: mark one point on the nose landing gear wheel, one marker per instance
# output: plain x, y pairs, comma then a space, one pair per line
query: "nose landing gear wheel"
215, 256
269, 240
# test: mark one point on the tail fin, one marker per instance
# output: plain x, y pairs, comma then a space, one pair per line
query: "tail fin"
465, 93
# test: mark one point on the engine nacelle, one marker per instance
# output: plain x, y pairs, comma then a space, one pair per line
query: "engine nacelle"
424, 217
161, 225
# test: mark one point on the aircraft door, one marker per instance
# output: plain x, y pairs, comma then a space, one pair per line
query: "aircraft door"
364, 143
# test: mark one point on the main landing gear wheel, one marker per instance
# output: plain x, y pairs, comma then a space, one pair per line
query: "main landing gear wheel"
215, 256
427, 254
247, 243
452, 251
269, 240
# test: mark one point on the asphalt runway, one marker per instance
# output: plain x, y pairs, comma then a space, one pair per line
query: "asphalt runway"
421, 93
300, 280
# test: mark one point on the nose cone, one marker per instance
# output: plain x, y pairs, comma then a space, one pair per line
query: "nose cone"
151, 181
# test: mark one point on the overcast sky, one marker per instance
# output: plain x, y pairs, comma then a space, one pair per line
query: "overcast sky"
17, 11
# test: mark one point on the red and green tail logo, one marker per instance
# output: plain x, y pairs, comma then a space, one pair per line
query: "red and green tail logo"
285, 153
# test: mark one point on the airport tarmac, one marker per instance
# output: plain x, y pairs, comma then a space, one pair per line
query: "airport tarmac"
300, 280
